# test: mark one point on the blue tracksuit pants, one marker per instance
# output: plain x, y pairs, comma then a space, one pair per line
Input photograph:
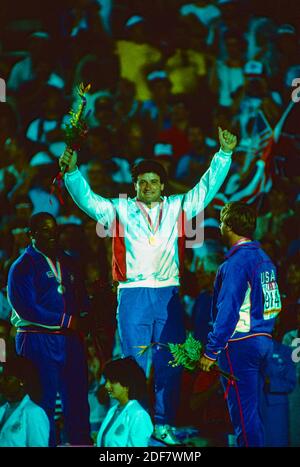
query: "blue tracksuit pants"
62, 367
148, 315
247, 360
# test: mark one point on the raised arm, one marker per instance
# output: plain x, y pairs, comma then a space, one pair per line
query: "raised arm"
99, 208
202, 194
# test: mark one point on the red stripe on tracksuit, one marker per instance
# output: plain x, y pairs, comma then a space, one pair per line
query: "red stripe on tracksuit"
119, 252
181, 227
234, 383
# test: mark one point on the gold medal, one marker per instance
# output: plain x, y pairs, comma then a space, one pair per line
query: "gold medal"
152, 240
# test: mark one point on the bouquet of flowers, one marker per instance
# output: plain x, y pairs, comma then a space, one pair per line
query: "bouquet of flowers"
77, 129
186, 355
74, 133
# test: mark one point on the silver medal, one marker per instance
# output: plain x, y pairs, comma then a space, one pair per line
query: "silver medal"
61, 289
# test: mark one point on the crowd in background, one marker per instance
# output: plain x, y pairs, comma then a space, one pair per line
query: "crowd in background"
164, 75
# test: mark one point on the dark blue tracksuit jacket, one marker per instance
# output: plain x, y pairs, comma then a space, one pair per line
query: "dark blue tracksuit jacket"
246, 298
245, 304
32, 291
42, 316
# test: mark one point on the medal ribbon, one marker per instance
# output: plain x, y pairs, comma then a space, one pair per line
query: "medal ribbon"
153, 229
56, 271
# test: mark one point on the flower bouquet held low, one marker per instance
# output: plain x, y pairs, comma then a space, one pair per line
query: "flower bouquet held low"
187, 355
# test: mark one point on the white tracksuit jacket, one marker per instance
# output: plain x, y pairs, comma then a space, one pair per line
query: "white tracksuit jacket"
137, 263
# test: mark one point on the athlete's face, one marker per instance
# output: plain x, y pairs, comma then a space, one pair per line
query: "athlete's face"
148, 187
46, 236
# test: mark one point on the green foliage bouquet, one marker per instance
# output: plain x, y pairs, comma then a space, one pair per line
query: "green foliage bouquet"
187, 355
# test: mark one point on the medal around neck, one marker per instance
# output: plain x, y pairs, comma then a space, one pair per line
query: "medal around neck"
152, 240
61, 289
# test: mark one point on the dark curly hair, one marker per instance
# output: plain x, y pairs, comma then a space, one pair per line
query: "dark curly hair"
147, 166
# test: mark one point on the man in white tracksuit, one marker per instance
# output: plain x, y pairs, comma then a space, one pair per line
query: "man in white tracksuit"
149, 233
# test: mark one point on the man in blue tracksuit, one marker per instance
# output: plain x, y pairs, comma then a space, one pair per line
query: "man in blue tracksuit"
48, 297
245, 304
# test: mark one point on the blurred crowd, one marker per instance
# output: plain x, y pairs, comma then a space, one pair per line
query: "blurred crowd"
164, 75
